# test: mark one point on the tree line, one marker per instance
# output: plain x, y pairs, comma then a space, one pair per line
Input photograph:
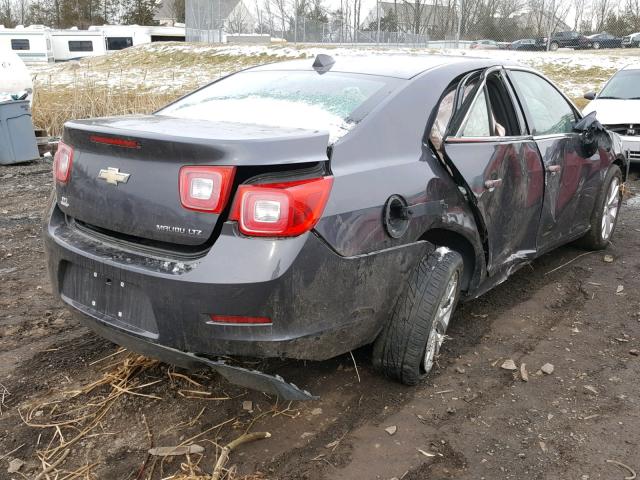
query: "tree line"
314, 20
77, 13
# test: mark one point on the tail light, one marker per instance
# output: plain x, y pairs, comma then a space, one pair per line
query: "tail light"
239, 320
62, 161
205, 189
281, 209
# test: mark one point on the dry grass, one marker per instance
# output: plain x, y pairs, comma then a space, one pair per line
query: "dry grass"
70, 421
68, 418
52, 107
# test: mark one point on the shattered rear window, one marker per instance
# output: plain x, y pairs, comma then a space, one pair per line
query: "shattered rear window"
291, 99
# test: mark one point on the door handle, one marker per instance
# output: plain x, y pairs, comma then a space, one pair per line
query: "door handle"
553, 169
491, 184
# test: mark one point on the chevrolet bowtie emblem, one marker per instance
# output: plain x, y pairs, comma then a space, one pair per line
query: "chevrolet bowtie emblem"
113, 176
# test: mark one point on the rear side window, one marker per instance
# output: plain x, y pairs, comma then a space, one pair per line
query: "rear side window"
289, 99
478, 124
80, 46
20, 44
550, 113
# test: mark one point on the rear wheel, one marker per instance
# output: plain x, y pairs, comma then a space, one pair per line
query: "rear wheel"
596, 46
554, 46
605, 213
407, 348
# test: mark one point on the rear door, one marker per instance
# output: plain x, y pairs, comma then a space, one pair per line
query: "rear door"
571, 179
489, 151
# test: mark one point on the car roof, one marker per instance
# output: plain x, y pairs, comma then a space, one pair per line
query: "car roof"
386, 65
633, 66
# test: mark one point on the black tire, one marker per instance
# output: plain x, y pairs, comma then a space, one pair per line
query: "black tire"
594, 238
399, 350
554, 46
596, 45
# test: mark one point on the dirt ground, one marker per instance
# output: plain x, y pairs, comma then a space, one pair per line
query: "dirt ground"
472, 419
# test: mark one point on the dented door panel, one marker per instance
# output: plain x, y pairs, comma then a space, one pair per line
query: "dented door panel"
507, 190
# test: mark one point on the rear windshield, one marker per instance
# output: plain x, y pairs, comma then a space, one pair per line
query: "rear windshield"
624, 85
334, 102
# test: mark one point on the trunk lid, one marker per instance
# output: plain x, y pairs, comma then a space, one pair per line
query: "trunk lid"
146, 204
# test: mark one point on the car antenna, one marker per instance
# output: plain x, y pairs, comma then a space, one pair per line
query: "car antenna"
323, 63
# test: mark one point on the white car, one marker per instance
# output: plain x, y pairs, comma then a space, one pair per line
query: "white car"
631, 41
617, 107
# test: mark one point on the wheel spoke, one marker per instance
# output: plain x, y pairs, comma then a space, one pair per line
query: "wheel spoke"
613, 193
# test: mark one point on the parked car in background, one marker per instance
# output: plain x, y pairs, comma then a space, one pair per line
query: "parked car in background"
485, 45
572, 39
631, 41
604, 40
525, 44
617, 107
303, 209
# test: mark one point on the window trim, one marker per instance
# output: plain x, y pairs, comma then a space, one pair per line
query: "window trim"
520, 117
77, 42
28, 43
527, 114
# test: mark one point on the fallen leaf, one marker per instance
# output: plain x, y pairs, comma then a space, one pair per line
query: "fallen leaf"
332, 444
619, 289
509, 365
247, 405
608, 258
591, 389
523, 372
543, 447
391, 430
316, 411
174, 451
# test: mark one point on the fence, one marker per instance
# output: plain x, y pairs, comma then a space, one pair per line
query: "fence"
441, 23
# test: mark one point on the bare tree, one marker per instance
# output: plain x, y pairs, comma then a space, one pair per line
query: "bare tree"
579, 6
601, 9
237, 20
282, 12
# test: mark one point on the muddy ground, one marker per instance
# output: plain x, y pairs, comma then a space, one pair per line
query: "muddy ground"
471, 420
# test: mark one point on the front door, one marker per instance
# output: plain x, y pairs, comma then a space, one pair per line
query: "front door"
489, 150
571, 179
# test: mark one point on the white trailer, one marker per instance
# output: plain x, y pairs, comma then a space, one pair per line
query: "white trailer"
74, 44
118, 37
31, 44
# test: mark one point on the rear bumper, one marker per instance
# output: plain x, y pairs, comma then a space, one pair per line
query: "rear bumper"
321, 304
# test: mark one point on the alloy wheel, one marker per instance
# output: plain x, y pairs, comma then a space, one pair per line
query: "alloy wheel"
610, 211
440, 323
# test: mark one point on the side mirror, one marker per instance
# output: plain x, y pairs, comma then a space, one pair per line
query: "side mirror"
590, 96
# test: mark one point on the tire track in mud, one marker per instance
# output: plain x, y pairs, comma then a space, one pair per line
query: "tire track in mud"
297, 464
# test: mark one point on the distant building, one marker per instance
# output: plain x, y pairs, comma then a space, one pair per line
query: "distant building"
411, 18
537, 23
211, 20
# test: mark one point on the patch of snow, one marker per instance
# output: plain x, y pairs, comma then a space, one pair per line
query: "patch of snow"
265, 111
441, 252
